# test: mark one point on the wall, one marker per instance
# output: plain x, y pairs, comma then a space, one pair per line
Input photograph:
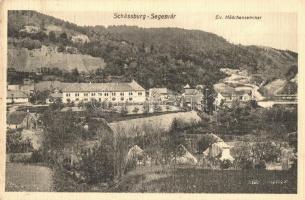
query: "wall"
116, 98
17, 100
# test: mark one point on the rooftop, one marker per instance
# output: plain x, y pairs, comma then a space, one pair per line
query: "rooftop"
101, 87
159, 90
16, 117
16, 94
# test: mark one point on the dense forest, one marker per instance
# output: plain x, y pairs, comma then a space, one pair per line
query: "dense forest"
155, 57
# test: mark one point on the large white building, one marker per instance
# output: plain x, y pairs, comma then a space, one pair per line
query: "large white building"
104, 92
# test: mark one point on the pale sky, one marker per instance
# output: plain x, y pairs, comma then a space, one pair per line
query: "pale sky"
277, 30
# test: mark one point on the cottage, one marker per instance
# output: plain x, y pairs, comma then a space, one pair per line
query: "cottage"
20, 119
17, 96
81, 38
160, 94
111, 92
30, 29
192, 97
226, 94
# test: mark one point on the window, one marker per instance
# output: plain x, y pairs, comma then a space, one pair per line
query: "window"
130, 98
92, 94
99, 99
122, 93
130, 93
86, 94
100, 94
113, 93
85, 99
77, 94
76, 99
106, 94
68, 100
140, 93
122, 98
68, 94
113, 98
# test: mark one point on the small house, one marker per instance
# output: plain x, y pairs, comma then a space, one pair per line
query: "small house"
19, 119
17, 96
160, 94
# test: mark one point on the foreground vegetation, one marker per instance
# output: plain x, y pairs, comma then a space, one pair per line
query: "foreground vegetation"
194, 180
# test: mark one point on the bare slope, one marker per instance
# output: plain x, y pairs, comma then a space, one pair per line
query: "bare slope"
32, 60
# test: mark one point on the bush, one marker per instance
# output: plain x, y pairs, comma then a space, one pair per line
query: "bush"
31, 44
36, 157
135, 110
225, 164
205, 142
123, 111
16, 144
98, 165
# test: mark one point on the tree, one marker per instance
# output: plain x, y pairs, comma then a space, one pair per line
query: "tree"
16, 144
157, 107
52, 36
39, 97
123, 110
205, 142
208, 100
42, 25
61, 48
146, 107
60, 129
75, 75
63, 36
135, 110
98, 165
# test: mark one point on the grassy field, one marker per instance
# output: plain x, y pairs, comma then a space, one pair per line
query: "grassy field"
189, 180
29, 178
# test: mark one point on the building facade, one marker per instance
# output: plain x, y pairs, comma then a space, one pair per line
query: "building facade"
130, 92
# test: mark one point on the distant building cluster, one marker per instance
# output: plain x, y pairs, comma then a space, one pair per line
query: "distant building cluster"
126, 92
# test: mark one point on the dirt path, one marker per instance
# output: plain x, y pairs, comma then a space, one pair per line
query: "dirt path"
29, 178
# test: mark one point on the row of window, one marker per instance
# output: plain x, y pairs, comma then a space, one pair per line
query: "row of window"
106, 94
100, 100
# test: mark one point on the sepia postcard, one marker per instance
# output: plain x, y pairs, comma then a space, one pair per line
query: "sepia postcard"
152, 99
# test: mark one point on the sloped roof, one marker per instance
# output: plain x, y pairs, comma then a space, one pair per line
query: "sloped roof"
103, 87
16, 117
223, 88
56, 95
16, 94
226, 90
193, 98
187, 86
191, 92
50, 85
159, 90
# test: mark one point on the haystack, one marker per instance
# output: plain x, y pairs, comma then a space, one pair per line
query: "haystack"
135, 153
219, 149
184, 157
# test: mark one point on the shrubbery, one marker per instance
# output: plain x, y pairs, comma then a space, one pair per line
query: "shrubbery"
98, 165
16, 144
